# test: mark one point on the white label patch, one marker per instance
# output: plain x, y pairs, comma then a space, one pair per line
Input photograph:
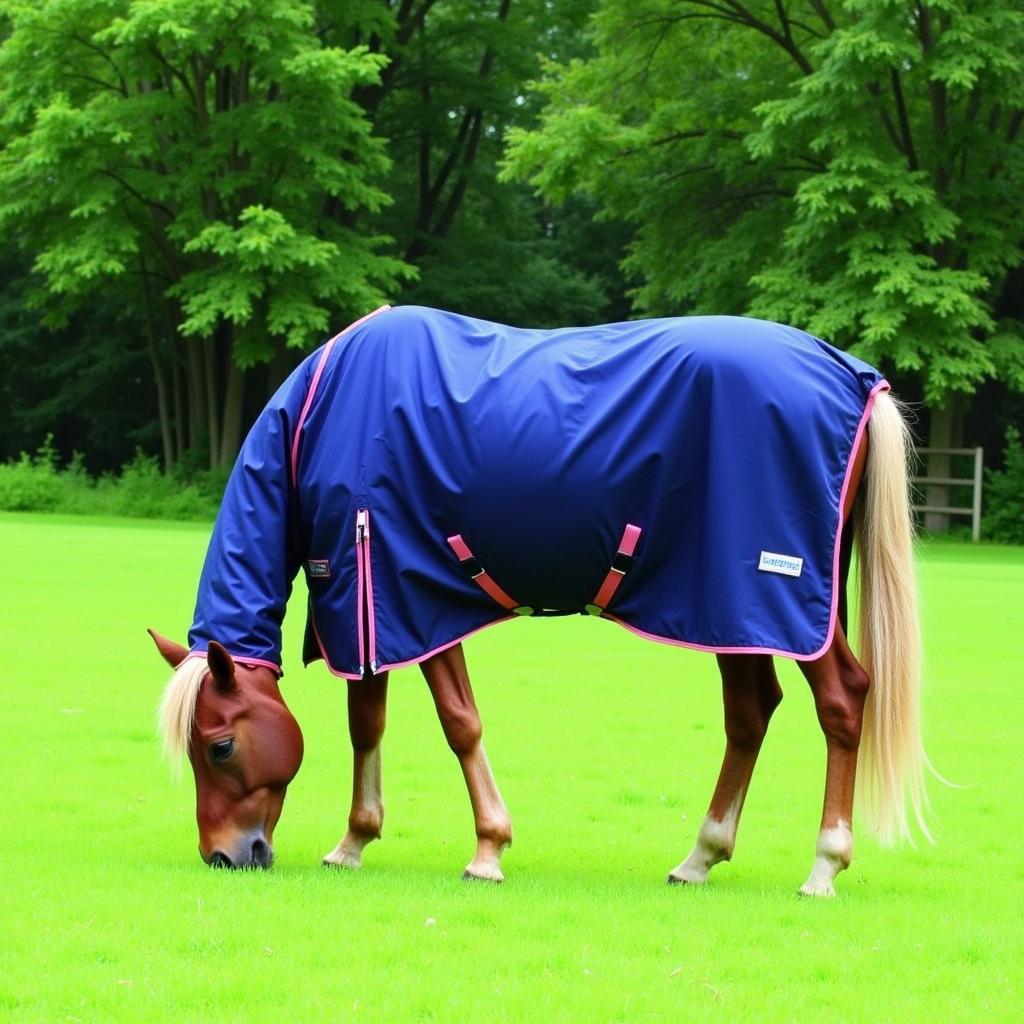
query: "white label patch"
785, 565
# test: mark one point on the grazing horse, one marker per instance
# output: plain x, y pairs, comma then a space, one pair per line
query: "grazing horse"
695, 480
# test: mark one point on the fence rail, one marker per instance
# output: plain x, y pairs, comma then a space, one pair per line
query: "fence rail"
974, 482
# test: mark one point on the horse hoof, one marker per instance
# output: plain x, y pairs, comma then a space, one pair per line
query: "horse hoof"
345, 861
469, 876
687, 877
817, 890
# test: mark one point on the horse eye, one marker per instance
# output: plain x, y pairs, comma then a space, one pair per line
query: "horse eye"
222, 750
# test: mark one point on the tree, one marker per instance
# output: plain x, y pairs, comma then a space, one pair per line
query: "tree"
444, 82
452, 86
851, 167
202, 161
88, 383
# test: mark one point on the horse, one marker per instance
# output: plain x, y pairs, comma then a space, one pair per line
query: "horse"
697, 480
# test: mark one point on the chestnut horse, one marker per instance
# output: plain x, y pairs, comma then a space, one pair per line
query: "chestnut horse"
245, 747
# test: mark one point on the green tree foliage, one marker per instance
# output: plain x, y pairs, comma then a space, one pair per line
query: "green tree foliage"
452, 87
852, 167
88, 383
203, 161
216, 186
1004, 494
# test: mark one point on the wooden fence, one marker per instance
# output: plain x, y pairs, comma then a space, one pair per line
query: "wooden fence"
974, 482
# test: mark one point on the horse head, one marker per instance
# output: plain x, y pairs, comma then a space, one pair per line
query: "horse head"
243, 744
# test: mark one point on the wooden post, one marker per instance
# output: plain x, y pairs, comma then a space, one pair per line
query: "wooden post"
976, 503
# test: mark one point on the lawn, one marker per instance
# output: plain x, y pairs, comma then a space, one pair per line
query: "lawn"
606, 749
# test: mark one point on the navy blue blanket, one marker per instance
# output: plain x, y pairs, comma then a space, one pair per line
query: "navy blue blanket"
429, 472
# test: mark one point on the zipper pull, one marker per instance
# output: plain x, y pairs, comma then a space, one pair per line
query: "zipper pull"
361, 526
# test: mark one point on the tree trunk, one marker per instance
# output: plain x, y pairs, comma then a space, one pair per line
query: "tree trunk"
278, 368
159, 378
945, 431
459, 160
210, 397
161, 384
161, 402
196, 392
231, 431
179, 411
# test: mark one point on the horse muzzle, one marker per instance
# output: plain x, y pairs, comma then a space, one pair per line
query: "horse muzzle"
252, 851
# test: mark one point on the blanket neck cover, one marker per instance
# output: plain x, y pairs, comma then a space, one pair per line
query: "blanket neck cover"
433, 474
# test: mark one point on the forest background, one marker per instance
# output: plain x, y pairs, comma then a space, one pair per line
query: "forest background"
196, 193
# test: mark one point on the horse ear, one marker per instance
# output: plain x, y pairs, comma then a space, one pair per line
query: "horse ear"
174, 654
222, 667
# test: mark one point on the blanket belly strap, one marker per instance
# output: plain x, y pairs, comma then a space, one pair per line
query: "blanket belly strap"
621, 564
479, 576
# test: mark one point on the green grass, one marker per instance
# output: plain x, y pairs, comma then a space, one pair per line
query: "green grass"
606, 749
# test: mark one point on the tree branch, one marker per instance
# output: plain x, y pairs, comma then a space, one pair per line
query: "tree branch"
1013, 129
173, 71
462, 154
753, 194
90, 45
822, 11
735, 11
97, 81
680, 137
135, 194
901, 113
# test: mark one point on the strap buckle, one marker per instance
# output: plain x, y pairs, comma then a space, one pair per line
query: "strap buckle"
472, 566
622, 562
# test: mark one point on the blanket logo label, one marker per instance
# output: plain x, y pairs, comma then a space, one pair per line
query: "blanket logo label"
785, 565
319, 568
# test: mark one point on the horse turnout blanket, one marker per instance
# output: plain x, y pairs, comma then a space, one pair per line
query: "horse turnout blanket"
433, 474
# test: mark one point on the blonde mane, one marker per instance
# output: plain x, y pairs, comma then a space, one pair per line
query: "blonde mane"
178, 707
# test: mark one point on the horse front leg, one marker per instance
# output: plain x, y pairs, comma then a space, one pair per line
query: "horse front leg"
367, 705
750, 693
840, 687
448, 680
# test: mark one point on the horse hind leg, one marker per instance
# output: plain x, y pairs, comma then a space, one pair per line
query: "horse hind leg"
367, 705
750, 692
448, 679
840, 686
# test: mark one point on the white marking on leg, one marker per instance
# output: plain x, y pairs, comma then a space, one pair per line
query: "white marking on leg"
367, 814
832, 855
493, 827
348, 853
715, 842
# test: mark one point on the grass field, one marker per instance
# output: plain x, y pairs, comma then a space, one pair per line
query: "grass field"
606, 749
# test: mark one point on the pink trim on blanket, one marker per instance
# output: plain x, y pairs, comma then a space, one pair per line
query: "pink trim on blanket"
715, 650
323, 653
444, 647
241, 659
411, 661
371, 625
360, 587
325, 355
882, 385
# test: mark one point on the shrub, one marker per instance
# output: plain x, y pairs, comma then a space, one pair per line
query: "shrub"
35, 484
1004, 495
193, 468
143, 490
31, 484
26, 487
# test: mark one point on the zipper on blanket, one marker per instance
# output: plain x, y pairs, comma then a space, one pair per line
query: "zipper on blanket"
364, 609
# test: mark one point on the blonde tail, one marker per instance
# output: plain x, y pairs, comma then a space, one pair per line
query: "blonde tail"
892, 758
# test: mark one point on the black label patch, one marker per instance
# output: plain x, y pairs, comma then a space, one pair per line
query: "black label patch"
319, 568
